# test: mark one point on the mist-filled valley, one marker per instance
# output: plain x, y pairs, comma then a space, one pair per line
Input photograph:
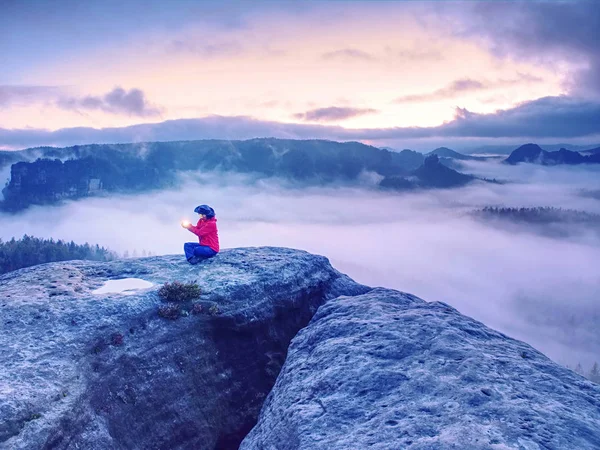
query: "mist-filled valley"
536, 286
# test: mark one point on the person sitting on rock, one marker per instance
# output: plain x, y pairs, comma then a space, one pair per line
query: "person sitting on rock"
208, 236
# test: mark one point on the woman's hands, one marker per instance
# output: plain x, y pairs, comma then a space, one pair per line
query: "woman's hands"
185, 224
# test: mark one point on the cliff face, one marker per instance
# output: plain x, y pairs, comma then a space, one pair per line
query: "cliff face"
48, 181
366, 368
387, 370
532, 153
432, 174
81, 370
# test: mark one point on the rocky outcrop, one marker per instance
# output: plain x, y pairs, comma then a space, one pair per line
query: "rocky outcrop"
453, 159
445, 152
432, 174
387, 370
105, 371
532, 153
366, 368
47, 181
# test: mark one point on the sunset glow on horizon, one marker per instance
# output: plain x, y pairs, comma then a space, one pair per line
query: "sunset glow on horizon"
356, 65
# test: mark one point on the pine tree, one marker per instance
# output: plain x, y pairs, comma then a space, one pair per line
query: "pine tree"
594, 374
579, 369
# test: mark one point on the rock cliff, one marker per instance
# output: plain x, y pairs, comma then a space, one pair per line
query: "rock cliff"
386, 370
81, 370
366, 368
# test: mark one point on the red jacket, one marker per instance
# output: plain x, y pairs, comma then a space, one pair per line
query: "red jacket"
206, 230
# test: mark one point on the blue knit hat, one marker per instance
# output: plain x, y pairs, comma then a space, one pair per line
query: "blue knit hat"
205, 210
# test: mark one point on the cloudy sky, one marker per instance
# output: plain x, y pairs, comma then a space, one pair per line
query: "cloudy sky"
386, 73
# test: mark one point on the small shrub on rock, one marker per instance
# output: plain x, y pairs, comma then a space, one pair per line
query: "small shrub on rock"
178, 291
169, 311
197, 308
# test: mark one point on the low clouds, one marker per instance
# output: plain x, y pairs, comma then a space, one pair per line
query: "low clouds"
117, 101
333, 113
548, 117
26, 94
132, 102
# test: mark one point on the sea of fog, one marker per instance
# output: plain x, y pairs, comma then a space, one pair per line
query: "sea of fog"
543, 290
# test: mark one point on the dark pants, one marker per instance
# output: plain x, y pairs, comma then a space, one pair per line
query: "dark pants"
195, 252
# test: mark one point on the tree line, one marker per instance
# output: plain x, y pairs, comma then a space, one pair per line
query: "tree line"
29, 251
540, 215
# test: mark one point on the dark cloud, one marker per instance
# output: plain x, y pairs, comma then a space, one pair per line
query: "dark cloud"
348, 53
333, 113
549, 117
545, 117
117, 101
26, 94
546, 32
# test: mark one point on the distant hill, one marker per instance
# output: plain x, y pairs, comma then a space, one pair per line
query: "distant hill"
445, 152
81, 171
507, 149
431, 174
533, 153
447, 157
411, 159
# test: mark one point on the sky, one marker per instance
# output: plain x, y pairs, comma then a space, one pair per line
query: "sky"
402, 74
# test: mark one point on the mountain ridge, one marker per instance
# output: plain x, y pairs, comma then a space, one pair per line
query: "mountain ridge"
81, 171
